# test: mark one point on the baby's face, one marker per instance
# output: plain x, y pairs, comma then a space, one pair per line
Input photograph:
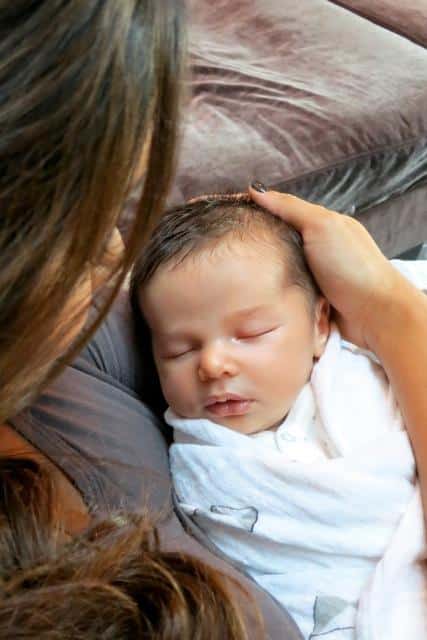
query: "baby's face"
232, 341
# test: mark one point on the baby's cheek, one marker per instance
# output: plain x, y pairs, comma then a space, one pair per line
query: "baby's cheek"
287, 367
178, 389
168, 384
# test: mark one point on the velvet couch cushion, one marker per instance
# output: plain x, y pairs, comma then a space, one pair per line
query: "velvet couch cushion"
408, 19
307, 96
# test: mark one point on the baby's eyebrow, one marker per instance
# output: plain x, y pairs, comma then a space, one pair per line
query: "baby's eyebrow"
244, 314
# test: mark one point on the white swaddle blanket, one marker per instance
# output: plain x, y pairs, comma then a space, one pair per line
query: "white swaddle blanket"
324, 513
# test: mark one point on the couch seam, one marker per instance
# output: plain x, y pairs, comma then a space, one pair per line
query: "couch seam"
373, 20
422, 184
354, 158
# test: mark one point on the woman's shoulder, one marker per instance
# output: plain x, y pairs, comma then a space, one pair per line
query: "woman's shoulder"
92, 423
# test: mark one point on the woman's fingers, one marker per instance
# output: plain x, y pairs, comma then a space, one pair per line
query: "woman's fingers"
299, 213
349, 267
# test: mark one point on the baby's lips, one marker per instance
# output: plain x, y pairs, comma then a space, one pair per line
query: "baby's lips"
224, 397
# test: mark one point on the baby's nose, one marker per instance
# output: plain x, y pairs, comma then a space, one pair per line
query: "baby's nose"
216, 361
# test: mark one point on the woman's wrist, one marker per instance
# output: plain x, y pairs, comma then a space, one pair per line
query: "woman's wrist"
399, 310
399, 339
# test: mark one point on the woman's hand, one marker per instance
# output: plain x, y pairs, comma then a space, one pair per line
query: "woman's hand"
354, 275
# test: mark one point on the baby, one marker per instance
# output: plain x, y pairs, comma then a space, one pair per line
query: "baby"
235, 316
284, 433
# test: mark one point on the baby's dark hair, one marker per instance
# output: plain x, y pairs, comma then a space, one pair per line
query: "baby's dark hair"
197, 224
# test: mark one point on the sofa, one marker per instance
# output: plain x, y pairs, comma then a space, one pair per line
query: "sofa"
326, 100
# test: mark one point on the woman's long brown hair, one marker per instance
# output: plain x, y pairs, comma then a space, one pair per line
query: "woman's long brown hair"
85, 85
111, 583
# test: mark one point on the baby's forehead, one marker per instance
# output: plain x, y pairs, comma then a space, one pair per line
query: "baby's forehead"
232, 247
250, 262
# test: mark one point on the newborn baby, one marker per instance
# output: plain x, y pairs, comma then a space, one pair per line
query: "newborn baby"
235, 316
290, 452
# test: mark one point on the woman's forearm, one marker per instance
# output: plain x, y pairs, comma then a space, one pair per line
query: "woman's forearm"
399, 339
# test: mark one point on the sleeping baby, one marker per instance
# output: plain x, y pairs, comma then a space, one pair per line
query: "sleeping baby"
289, 450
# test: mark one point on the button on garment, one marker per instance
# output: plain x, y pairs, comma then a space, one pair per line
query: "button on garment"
300, 437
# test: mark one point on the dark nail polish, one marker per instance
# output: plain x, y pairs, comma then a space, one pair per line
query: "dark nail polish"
259, 186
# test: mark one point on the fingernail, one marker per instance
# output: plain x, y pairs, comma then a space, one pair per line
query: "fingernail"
259, 186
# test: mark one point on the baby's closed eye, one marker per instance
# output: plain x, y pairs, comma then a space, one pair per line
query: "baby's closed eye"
255, 333
173, 354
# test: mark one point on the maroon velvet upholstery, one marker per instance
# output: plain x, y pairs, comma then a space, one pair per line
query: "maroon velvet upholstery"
314, 99
409, 19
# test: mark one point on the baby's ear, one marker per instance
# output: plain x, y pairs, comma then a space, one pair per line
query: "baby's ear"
321, 326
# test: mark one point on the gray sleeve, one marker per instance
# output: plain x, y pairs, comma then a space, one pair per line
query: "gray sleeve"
113, 351
92, 423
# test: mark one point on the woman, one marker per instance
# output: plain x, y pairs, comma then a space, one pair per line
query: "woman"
94, 114
89, 100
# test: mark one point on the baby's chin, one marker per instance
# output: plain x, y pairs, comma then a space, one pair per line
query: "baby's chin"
247, 424
246, 427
